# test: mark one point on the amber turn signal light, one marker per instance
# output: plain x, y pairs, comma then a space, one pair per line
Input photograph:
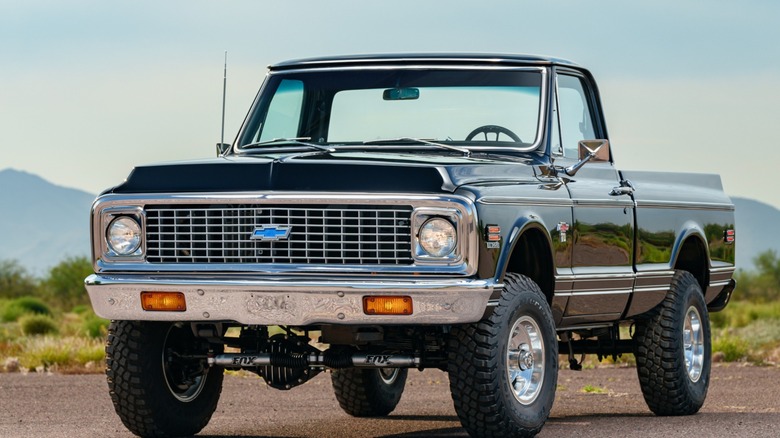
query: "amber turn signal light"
493, 233
387, 305
163, 301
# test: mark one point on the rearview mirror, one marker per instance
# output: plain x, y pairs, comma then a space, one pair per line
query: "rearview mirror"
401, 94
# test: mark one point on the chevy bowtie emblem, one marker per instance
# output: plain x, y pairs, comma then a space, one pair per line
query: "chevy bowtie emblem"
271, 232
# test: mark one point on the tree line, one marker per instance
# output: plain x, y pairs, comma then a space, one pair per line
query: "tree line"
62, 287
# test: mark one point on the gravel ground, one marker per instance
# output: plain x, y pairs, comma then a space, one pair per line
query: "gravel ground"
742, 401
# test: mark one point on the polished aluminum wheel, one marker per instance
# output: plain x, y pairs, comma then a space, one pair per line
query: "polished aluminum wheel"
693, 343
525, 360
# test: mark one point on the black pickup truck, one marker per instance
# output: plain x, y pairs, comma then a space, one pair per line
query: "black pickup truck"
381, 213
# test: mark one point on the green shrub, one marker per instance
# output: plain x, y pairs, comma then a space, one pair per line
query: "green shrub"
64, 285
95, 326
82, 309
740, 314
765, 331
61, 353
24, 305
733, 348
32, 325
15, 281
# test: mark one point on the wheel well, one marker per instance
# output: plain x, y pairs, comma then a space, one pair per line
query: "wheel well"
532, 257
693, 258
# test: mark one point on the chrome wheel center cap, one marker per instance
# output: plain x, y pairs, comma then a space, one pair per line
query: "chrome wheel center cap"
525, 360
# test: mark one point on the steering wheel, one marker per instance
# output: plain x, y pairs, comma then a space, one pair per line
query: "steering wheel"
492, 129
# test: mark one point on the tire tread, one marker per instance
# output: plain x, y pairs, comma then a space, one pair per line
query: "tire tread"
660, 366
473, 361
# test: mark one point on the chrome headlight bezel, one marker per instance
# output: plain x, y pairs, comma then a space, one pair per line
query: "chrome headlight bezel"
109, 218
424, 216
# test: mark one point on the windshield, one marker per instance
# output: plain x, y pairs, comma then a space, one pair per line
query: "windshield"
474, 108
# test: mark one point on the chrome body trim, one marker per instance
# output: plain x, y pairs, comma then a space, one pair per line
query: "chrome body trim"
685, 205
593, 292
289, 300
655, 274
652, 289
719, 283
509, 200
594, 277
464, 262
723, 270
600, 203
422, 65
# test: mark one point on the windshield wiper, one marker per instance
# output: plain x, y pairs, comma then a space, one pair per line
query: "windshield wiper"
462, 150
298, 141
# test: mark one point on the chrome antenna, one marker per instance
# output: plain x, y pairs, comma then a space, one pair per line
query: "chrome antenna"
224, 88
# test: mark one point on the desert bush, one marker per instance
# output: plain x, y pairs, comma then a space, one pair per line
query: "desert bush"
739, 314
734, 348
82, 309
24, 305
95, 326
35, 325
15, 281
762, 285
64, 284
48, 352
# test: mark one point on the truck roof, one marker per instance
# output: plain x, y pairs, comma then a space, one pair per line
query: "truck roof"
400, 59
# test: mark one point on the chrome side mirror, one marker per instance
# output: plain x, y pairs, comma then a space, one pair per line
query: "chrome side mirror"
596, 150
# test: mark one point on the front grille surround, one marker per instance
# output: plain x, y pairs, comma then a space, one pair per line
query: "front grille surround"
385, 258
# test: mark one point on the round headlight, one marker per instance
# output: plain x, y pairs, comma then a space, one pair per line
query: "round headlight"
438, 237
124, 236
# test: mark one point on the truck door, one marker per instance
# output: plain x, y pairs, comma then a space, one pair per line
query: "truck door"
603, 228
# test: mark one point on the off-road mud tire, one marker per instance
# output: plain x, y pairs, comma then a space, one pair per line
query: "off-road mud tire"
478, 366
659, 349
363, 392
138, 388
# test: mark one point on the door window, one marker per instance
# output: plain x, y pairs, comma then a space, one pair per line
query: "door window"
574, 111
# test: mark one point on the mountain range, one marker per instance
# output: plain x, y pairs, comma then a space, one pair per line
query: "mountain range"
42, 223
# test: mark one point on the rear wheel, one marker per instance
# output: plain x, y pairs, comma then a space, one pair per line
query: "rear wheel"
673, 350
504, 370
158, 378
369, 392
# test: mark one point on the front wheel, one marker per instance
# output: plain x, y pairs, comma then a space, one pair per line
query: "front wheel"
158, 378
673, 350
504, 369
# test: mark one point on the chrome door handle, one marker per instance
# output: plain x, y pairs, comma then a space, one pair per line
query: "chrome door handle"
625, 188
619, 191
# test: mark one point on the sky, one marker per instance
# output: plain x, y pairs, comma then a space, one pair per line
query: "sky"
88, 89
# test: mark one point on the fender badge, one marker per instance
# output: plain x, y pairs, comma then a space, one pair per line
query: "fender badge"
271, 232
562, 228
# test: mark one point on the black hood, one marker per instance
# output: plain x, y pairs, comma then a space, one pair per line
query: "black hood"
337, 172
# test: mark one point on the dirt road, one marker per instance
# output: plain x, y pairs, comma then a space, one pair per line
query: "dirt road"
743, 401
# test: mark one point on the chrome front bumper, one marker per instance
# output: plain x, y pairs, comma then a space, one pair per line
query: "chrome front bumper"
289, 301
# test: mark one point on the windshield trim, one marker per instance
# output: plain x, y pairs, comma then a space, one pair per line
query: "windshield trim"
543, 97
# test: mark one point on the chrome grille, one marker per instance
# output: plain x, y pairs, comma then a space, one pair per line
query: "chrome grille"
320, 234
